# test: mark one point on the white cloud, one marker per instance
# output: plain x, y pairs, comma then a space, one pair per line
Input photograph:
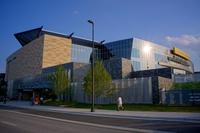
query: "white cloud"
184, 39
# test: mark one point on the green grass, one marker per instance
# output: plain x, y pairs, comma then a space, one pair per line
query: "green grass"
128, 107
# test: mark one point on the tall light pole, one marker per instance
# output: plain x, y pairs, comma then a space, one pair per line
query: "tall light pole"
91, 22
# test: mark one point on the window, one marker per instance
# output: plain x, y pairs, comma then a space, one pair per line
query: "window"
80, 53
135, 53
159, 57
136, 66
120, 48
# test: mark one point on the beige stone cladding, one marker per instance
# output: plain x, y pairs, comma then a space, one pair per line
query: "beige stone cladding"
27, 61
165, 83
126, 68
43, 52
57, 50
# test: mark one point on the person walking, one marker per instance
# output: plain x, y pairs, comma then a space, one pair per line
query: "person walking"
119, 104
41, 100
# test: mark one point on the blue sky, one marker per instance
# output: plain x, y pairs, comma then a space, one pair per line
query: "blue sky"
166, 22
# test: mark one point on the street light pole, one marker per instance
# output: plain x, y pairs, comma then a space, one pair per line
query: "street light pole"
91, 22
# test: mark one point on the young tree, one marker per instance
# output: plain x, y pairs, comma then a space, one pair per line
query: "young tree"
60, 81
103, 85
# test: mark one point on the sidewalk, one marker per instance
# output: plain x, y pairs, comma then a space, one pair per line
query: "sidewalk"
147, 115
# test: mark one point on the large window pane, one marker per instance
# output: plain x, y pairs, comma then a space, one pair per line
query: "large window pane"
136, 66
135, 53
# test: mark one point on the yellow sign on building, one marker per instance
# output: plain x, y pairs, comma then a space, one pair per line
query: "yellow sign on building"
180, 53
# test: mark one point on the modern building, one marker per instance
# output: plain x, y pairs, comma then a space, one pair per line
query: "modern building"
148, 55
43, 50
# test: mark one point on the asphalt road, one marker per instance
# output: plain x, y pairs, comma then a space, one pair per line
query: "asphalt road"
17, 120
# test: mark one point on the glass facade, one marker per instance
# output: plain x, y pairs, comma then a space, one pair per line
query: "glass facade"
120, 48
135, 53
160, 57
148, 54
80, 53
133, 49
136, 66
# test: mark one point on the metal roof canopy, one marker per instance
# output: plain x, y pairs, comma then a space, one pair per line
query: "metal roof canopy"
33, 86
28, 36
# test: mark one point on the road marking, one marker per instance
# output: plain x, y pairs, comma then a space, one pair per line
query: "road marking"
90, 124
9, 123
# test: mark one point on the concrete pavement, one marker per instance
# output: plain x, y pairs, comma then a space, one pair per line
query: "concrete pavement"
167, 116
17, 116
15, 122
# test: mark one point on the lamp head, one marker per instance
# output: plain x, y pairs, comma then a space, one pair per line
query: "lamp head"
102, 41
90, 21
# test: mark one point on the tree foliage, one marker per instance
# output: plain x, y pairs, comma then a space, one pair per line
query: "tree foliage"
186, 85
103, 85
59, 81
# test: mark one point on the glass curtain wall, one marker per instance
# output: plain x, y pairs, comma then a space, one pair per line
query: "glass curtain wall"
82, 54
120, 48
